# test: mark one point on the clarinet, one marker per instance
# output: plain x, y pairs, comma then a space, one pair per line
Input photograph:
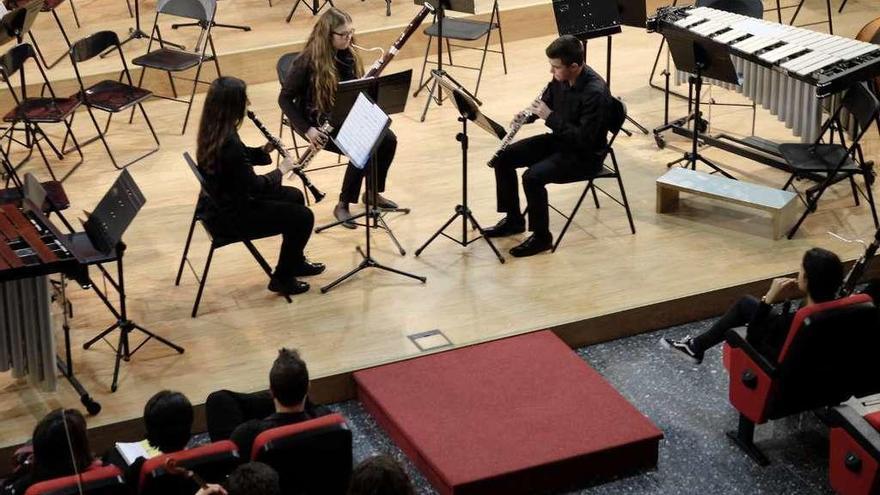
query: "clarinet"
379, 65
858, 269
316, 193
517, 124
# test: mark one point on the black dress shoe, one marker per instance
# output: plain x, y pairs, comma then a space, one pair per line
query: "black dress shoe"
381, 202
341, 213
308, 268
531, 246
289, 286
506, 227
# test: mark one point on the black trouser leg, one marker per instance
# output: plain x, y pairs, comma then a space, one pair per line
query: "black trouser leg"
738, 315
225, 410
351, 183
522, 153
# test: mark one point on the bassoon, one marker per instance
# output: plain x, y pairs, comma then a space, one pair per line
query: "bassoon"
379, 65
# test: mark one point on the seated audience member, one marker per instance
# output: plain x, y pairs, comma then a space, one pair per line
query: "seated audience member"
380, 475
61, 448
818, 281
248, 415
168, 419
253, 478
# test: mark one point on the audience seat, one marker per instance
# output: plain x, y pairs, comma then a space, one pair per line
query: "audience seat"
826, 359
312, 458
213, 462
854, 452
99, 480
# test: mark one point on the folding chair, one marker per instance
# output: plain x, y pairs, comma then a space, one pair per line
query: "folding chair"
828, 162
175, 60
218, 239
49, 6
108, 95
465, 30
607, 171
32, 111
311, 457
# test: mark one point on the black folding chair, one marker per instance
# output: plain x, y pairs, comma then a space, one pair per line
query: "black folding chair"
108, 95
608, 171
218, 239
48, 6
174, 60
830, 162
32, 111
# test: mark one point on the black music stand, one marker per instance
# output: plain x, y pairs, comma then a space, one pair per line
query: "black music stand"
103, 237
136, 33
468, 110
390, 93
701, 58
440, 7
588, 19
361, 150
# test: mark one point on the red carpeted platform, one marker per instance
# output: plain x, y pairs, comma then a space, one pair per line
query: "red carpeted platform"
517, 415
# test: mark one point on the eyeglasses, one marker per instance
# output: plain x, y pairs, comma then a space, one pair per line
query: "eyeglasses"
346, 34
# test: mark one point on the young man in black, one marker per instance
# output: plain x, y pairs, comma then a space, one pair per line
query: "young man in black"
575, 106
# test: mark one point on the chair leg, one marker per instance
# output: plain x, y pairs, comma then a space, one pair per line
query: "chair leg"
189, 235
448, 50
482, 63
43, 156
629, 216
101, 137
788, 182
214, 56
595, 196
75, 16
424, 64
63, 35
855, 190
570, 218
192, 97
743, 437
501, 41
149, 124
262, 262
140, 84
202, 280
870, 198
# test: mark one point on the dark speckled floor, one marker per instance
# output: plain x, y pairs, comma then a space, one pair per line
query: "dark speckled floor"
689, 403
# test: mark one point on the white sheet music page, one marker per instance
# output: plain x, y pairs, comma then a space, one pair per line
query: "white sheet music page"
360, 131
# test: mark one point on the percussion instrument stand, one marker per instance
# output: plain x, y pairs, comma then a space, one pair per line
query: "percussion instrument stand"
462, 209
123, 323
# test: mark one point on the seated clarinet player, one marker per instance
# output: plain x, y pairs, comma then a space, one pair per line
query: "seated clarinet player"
249, 204
308, 94
574, 106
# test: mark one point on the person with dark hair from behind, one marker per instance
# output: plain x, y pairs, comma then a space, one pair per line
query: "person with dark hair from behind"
253, 478
380, 475
168, 419
61, 448
576, 106
241, 417
818, 281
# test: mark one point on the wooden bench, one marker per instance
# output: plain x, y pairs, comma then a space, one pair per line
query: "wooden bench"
782, 205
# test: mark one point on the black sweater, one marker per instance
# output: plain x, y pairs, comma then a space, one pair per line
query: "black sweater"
297, 98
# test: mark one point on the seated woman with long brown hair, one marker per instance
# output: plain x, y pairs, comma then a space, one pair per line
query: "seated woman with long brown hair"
247, 204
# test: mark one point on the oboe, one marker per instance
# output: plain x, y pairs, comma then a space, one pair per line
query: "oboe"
518, 121
858, 269
379, 65
316, 193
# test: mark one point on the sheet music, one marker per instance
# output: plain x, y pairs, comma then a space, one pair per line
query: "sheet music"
361, 130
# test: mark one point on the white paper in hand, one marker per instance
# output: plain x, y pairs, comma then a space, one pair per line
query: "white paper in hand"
360, 131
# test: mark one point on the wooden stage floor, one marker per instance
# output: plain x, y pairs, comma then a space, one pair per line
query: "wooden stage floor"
592, 289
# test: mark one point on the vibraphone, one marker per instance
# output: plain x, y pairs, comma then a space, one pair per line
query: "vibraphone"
31, 249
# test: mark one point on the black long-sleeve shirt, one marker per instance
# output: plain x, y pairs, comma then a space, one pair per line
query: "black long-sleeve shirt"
768, 330
580, 113
234, 181
297, 98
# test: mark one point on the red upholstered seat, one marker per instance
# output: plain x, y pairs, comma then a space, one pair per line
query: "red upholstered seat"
42, 110
98, 480
854, 452
213, 462
312, 457
827, 357
113, 96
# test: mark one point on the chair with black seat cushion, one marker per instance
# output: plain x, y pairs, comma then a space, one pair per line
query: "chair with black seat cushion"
33, 111
312, 458
212, 462
172, 60
854, 452
465, 30
828, 356
828, 162
220, 236
608, 171
109, 95
105, 480
49, 6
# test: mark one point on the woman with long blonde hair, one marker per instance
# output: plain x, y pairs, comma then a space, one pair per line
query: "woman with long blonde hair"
308, 94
